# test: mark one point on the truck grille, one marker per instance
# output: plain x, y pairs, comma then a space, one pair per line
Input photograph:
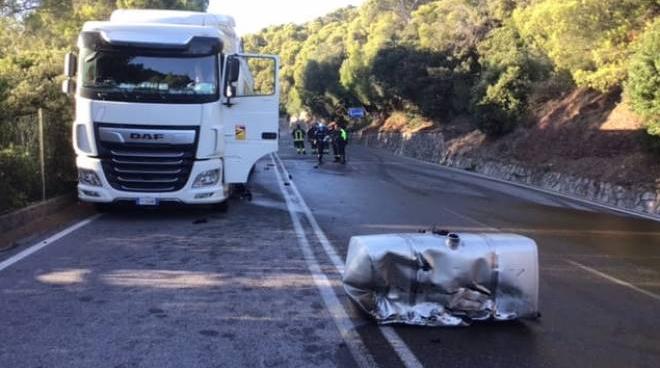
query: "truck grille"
147, 167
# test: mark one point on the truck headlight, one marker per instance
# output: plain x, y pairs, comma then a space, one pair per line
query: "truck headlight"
207, 178
89, 177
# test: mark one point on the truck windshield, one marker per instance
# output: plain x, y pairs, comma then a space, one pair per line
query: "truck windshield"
121, 76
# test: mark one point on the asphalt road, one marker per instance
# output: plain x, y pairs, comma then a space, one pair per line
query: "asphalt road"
194, 288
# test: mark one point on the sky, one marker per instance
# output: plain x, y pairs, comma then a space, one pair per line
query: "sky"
253, 15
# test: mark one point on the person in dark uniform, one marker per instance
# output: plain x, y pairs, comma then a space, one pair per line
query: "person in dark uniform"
311, 136
299, 139
321, 137
333, 132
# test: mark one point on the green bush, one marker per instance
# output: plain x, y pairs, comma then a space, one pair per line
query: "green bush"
643, 85
508, 72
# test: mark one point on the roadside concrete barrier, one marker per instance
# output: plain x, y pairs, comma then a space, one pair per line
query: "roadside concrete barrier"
37, 211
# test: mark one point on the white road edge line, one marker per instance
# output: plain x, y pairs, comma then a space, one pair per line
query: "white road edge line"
44, 243
344, 324
402, 350
639, 214
614, 279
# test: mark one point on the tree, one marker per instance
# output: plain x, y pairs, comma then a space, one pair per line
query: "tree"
454, 25
508, 71
589, 38
316, 70
643, 85
379, 24
196, 5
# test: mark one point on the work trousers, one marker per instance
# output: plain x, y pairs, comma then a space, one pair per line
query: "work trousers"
300, 146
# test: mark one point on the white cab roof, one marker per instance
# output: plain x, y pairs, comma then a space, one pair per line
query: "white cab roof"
150, 33
166, 26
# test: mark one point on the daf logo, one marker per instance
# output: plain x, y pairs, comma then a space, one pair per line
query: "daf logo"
147, 136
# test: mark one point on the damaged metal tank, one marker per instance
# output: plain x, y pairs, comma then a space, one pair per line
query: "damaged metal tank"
444, 279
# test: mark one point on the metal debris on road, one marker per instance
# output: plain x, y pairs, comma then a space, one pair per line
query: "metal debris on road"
443, 280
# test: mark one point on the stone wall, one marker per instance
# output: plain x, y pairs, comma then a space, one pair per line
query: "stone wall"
433, 147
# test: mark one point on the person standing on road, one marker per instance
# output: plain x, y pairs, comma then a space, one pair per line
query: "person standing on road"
299, 139
333, 132
311, 136
321, 138
342, 142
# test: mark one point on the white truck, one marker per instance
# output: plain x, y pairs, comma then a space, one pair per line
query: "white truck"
168, 109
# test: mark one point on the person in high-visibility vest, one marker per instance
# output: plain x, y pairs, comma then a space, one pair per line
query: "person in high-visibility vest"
342, 141
299, 139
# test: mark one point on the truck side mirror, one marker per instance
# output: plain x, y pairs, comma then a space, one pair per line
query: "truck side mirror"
233, 69
68, 86
70, 64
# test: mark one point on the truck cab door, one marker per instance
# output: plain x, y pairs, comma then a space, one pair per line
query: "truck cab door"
250, 112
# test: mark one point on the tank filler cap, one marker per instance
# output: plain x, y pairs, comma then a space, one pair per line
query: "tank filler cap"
453, 240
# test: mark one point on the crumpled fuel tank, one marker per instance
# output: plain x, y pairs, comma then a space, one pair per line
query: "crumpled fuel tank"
443, 280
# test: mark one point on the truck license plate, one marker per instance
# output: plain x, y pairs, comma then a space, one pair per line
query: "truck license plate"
147, 201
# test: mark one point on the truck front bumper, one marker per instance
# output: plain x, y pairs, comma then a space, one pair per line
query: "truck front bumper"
187, 195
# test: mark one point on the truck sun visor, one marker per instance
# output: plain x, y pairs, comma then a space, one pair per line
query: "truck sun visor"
437, 280
197, 45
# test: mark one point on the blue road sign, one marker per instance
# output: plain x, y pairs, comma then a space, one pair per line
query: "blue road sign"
356, 112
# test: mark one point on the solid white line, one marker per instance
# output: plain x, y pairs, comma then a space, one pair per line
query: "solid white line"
35, 248
614, 279
404, 353
644, 215
402, 350
325, 243
344, 324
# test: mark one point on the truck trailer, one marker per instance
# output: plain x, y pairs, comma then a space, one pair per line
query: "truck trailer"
168, 108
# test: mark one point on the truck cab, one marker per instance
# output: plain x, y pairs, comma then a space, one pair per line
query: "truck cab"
168, 109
